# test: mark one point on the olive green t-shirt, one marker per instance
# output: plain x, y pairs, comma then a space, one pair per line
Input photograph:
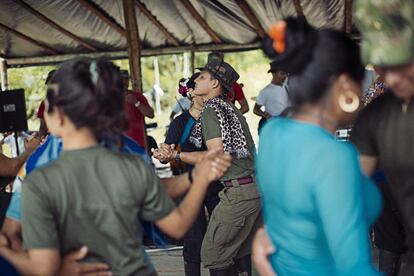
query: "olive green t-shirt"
385, 131
94, 197
210, 125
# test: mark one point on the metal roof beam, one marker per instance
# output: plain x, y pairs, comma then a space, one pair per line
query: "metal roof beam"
134, 44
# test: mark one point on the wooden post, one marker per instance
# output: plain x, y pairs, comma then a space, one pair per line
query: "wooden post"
348, 16
299, 9
192, 61
3, 75
134, 49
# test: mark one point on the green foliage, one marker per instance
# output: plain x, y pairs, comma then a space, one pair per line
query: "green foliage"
32, 80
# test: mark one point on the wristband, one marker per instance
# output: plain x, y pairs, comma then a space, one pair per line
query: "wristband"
177, 156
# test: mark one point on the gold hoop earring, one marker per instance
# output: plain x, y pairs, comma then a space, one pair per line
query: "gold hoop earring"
348, 101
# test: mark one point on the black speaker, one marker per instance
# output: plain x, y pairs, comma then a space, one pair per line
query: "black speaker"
12, 111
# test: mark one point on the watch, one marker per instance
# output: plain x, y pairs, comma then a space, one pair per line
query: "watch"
138, 103
177, 156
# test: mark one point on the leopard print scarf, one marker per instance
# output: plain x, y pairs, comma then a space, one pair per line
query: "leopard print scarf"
232, 134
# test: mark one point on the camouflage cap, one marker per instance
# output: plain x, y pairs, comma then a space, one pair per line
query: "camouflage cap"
387, 28
223, 72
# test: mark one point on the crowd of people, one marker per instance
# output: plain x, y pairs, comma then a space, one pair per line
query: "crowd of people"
85, 192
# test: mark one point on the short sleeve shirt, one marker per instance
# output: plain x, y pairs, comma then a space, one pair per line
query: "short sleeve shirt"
385, 131
41, 110
49, 151
238, 94
94, 197
210, 125
136, 121
274, 98
177, 130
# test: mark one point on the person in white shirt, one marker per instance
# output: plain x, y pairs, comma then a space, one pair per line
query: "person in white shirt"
273, 97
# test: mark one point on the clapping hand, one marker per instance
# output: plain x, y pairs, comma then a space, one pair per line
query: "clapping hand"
164, 153
31, 143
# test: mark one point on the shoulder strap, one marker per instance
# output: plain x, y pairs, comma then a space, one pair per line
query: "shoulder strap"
179, 104
188, 126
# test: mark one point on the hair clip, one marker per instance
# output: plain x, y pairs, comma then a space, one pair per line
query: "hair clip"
183, 90
53, 87
277, 34
94, 72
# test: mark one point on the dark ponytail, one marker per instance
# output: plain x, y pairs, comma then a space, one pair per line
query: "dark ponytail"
312, 58
90, 93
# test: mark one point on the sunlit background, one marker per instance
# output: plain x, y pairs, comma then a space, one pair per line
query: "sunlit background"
162, 71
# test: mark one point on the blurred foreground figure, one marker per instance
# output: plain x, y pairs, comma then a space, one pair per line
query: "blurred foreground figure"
384, 132
94, 196
388, 43
317, 205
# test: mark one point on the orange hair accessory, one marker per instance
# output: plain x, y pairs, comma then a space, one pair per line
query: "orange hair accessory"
277, 34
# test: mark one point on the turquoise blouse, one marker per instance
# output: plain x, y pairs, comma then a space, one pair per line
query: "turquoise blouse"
317, 204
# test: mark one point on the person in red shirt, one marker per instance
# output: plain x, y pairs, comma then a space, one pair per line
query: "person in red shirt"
43, 127
137, 108
239, 97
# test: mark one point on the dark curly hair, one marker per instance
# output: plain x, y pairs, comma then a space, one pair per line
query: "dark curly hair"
313, 58
90, 93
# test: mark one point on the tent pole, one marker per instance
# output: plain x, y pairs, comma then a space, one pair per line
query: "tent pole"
3, 74
134, 44
134, 51
192, 61
348, 16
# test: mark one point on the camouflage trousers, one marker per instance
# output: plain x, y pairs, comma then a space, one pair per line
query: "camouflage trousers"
232, 226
